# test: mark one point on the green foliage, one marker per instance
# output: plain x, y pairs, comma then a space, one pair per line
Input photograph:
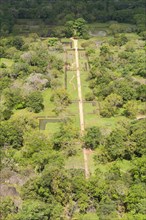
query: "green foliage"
54, 12
116, 145
125, 89
34, 162
34, 210
64, 138
11, 135
136, 199
119, 40
7, 208
111, 104
131, 109
141, 92
5, 113
92, 138
17, 42
69, 28
139, 169
76, 28
90, 96
52, 42
138, 136
126, 142
61, 100
35, 102
14, 99
143, 35
115, 28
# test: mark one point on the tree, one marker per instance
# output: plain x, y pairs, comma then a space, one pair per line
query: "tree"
111, 104
69, 29
138, 171
66, 136
49, 186
107, 209
119, 40
76, 28
14, 99
125, 88
80, 28
11, 135
141, 93
138, 136
135, 200
52, 42
61, 100
5, 113
34, 101
115, 28
37, 81
92, 138
34, 210
143, 35
17, 42
131, 108
7, 208
114, 144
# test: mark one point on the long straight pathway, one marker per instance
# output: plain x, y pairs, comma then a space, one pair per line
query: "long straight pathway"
81, 112
82, 125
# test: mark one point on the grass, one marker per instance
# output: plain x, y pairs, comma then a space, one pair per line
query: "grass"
85, 86
91, 162
73, 108
48, 105
72, 85
52, 128
105, 124
77, 161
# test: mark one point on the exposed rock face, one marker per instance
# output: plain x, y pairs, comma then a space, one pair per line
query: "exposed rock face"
8, 191
11, 177
9, 182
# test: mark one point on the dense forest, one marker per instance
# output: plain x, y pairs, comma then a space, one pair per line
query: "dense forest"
50, 170
57, 12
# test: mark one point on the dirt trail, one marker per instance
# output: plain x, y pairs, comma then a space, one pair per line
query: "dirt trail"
72, 83
81, 113
79, 88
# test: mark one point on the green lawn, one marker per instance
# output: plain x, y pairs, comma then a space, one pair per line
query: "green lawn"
105, 124
48, 105
91, 163
52, 128
72, 85
77, 161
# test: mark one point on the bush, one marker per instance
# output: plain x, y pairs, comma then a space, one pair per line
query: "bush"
89, 96
35, 102
11, 135
17, 42
92, 138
